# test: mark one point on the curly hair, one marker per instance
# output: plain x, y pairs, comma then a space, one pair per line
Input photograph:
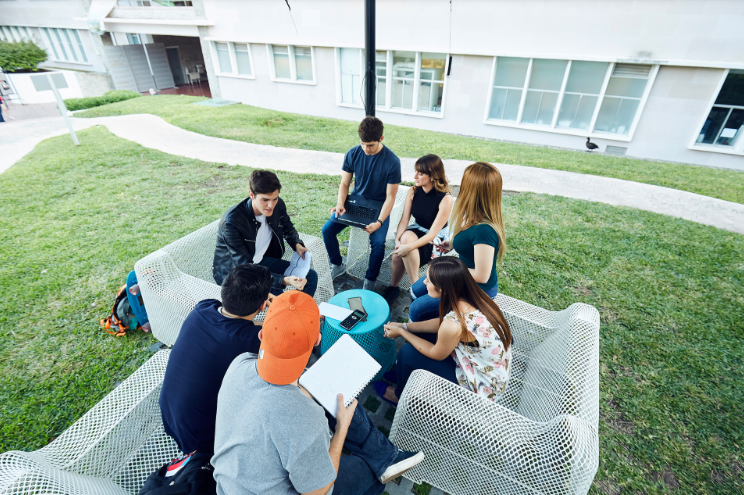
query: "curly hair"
370, 129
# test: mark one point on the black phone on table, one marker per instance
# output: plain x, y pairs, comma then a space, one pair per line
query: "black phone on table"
356, 303
353, 319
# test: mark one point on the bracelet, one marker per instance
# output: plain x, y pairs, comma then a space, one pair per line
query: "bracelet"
381, 222
405, 326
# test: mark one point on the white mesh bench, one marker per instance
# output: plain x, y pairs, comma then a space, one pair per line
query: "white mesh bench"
111, 450
175, 278
541, 438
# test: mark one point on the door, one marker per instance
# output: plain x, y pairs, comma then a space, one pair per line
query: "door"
120, 71
175, 65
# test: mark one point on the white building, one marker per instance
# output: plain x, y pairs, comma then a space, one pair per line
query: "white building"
659, 79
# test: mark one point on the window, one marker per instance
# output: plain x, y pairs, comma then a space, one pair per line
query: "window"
409, 82
292, 63
152, 3
724, 125
15, 33
233, 59
570, 96
65, 45
133, 39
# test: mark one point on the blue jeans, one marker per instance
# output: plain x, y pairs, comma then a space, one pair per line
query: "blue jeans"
371, 453
410, 359
277, 267
426, 307
332, 228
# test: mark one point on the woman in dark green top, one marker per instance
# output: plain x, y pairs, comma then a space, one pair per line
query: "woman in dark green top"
477, 234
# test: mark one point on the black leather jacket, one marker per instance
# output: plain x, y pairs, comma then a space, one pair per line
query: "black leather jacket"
236, 238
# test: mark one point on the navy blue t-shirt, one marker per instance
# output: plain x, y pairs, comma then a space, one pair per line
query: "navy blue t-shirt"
372, 173
205, 347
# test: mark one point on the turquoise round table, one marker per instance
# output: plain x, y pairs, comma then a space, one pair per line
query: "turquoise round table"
369, 334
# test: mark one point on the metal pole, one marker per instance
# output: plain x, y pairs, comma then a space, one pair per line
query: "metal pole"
370, 79
62, 109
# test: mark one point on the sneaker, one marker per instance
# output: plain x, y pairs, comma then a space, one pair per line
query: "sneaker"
337, 270
391, 294
369, 285
413, 296
404, 461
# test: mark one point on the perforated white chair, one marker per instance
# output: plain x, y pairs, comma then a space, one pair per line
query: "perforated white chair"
175, 278
111, 450
540, 438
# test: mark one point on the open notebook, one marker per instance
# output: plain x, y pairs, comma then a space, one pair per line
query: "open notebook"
345, 368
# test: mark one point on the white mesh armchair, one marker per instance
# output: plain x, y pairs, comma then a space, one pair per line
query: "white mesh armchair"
540, 438
111, 450
175, 278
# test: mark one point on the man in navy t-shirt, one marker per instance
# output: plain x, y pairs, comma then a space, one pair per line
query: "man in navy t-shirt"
212, 336
376, 172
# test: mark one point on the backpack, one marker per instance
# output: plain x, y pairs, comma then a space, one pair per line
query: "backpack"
128, 311
193, 475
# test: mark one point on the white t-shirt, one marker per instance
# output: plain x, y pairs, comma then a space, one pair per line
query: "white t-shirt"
263, 239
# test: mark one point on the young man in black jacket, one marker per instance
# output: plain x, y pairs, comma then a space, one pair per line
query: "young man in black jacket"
253, 232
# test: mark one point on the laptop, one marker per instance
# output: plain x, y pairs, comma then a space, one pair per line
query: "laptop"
360, 211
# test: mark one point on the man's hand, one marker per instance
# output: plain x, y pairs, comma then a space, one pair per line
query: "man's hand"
344, 414
296, 282
270, 299
301, 250
372, 227
402, 250
338, 210
393, 330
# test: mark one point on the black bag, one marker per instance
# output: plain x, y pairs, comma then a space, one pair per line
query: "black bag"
194, 478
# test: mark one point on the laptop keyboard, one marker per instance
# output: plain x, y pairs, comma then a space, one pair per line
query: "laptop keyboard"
362, 212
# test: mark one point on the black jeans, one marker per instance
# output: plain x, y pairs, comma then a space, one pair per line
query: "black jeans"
277, 266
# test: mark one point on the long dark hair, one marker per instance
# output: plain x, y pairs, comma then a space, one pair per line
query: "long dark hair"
452, 277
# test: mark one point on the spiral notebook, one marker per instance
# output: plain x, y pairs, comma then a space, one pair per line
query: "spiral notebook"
345, 368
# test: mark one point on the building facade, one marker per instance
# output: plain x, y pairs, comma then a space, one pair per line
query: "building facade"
657, 79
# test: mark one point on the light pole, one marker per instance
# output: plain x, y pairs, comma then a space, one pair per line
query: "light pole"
370, 78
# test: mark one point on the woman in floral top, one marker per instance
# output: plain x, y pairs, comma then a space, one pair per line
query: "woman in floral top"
469, 345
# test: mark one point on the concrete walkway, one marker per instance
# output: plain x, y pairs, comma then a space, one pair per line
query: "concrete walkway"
153, 132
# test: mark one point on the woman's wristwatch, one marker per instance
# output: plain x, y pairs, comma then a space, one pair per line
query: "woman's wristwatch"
381, 222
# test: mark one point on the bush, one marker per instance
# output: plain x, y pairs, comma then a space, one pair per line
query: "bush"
20, 55
97, 101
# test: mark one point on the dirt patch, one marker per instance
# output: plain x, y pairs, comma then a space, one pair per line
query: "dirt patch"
583, 288
667, 476
608, 487
617, 420
607, 316
276, 122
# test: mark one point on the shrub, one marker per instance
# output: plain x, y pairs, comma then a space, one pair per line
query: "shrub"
20, 55
97, 101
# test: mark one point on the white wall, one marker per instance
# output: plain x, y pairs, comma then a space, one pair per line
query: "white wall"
672, 32
26, 90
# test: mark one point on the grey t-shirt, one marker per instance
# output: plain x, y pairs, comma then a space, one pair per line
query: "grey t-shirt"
269, 439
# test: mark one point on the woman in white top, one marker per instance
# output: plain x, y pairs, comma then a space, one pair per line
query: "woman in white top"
473, 339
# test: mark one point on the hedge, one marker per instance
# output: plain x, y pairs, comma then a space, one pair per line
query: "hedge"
97, 101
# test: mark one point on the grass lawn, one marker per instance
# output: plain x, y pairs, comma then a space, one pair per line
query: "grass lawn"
670, 292
258, 125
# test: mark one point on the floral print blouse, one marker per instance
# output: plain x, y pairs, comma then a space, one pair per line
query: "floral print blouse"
483, 368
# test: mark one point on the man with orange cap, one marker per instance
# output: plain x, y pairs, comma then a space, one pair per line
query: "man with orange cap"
272, 437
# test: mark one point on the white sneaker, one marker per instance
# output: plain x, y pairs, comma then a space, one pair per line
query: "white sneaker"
413, 296
337, 270
369, 285
403, 462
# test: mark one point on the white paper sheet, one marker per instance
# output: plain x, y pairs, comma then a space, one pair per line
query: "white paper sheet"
299, 267
335, 312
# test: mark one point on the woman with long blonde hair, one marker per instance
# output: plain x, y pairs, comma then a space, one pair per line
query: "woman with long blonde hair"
476, 233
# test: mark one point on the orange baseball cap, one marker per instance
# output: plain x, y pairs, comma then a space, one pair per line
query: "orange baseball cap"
290, 330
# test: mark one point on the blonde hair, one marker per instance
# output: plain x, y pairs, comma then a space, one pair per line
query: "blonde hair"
432, 166
479, 202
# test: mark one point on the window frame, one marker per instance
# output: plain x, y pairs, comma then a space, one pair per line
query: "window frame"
59, 48
292, 65
389, 86
553, 127
233, 60
737, 149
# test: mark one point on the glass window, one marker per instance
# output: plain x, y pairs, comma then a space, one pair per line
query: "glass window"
545, 85
622, 98
582, 93
381, 74
508, 85
351, 79
725, 123
243, 59
50, 42
133, 39
404, 70
66, 37
303, 63
223, 56
80, 45
58, 39
431, 87
281, 62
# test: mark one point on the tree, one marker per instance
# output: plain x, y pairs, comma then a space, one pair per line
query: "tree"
20, 55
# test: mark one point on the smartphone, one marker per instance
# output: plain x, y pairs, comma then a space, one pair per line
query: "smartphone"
356, 303
353, 319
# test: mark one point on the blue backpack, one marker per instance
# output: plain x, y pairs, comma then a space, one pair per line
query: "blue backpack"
128, 311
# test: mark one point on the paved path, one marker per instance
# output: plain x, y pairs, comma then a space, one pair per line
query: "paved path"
153, 132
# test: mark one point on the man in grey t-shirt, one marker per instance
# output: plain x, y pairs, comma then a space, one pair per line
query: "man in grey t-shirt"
273, 438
